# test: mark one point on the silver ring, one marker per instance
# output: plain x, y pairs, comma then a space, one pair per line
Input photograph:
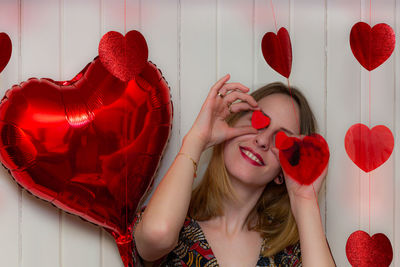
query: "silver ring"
219, 94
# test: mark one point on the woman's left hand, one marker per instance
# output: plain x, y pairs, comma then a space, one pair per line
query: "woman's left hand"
298, 191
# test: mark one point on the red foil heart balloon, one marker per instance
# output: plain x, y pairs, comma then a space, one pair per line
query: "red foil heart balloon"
277, 51
303, 159
365, 251
369, 149
91, 145
372, 47
5, 50
124, 57
259, 120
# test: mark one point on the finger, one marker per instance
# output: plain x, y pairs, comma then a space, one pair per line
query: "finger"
275, 151
236, 131
300, 136
233, 86
218, 85
318, 183
241, 106
232, 97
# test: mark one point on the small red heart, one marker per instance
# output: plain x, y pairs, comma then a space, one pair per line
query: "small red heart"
277, 51
280, 141
372, 47
304, 159
124, 57
5, 50
364, 251
369, 149
259, 120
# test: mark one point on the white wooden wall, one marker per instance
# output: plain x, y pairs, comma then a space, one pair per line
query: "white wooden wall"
194, 43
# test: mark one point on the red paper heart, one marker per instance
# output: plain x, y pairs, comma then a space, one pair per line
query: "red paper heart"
364, 251
369, 149
91, 145
259, 120
277, 51
282, 142
5, 50
304, 159
124, 57
372, 47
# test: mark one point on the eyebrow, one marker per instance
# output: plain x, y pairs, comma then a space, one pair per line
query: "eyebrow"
282, 129
286, 130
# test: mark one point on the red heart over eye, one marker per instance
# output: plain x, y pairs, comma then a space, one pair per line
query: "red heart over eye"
365, 251
372, 47
124, 57
282, 141
369, 149
5, 50
259, 120
277, 51
304, 159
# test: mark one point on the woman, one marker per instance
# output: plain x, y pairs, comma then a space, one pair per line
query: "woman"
246, 211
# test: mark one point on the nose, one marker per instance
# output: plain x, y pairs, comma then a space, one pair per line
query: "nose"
263, 140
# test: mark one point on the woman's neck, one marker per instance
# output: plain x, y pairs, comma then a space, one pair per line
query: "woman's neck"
233, 220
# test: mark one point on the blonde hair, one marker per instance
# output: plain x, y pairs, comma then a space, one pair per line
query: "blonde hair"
272, 213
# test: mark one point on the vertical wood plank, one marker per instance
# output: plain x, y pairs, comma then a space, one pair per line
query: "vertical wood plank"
198, 57
235, 40
198, 62
40, 57
80, 240
9, 190
159, 23
343, 110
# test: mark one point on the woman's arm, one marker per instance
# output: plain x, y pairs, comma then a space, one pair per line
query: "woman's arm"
165, 213
314, 247
158, 232
304, 205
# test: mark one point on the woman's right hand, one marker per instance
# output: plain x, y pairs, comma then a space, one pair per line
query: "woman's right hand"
210, 126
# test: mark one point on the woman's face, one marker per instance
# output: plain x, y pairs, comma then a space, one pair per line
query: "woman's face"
249, 157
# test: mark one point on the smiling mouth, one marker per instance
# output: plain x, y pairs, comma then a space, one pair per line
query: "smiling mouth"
251, 156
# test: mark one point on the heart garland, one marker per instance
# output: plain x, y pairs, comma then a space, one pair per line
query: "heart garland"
90, 146
372, 46
5, 50
369, 148
277, 51
123, 56
365, 251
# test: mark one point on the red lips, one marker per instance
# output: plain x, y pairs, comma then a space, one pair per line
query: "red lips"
249, 159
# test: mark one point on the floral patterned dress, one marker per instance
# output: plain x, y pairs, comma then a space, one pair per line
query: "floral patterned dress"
193, 250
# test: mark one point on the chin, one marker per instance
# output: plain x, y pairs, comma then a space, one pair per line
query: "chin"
244, 176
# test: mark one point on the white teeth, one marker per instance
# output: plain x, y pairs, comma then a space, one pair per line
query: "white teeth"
252, 156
